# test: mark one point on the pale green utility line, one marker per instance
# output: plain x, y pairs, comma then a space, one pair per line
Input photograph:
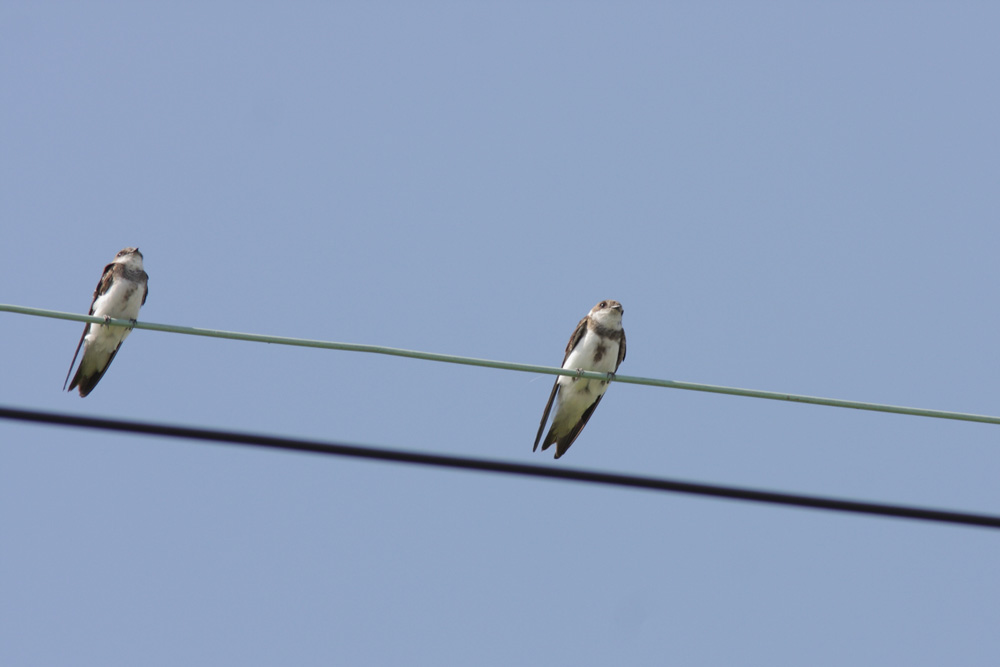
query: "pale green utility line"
506, 365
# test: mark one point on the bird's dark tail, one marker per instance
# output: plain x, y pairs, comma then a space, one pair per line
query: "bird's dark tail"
76, 378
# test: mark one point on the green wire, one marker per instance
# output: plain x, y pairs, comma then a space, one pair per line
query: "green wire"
506, 365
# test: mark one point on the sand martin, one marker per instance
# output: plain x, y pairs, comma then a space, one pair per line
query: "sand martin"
598, 344
119, 295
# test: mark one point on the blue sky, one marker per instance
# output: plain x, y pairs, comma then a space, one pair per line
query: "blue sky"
784, 196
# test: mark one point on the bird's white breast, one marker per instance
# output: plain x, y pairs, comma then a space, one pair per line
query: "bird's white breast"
577, 394
583, 354
121, 301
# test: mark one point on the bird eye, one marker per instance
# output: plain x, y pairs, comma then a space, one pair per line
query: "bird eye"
603, 304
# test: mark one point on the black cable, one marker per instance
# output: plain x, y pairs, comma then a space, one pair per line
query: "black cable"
440, 460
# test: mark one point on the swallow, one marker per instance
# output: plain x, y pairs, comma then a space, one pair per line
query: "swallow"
597, 344
119, 295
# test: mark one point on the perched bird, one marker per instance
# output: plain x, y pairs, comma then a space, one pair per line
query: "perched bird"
119, 295
598, 344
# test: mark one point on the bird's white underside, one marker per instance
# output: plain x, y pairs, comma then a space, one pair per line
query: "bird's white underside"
578, 394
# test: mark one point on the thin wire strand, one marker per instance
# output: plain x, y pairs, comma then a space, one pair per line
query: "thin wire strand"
505, 365
506, 468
